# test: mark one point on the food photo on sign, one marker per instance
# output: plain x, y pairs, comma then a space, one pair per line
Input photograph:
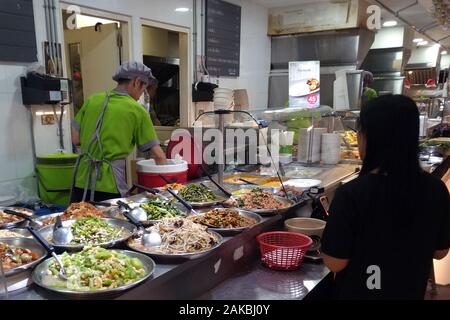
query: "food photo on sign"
304, 84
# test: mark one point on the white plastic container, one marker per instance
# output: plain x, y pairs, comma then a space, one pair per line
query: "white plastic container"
331, 148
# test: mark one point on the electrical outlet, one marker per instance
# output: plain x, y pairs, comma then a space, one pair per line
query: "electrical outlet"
48, 119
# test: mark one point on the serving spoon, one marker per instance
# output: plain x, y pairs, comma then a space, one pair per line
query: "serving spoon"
149, 239
61, 235
50, 249
137, 213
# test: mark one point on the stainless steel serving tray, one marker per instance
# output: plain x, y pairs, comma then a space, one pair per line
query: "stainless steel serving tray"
128, 231
41, 272
24, 232
230, 231
267, 212
26, 243
135, 244
116, 212
18, 223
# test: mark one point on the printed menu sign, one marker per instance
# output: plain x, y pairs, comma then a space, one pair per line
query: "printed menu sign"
223, 38
304, 84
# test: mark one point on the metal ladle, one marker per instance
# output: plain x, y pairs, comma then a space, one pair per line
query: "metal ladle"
149, 239
61, 235
50, 249
137, 213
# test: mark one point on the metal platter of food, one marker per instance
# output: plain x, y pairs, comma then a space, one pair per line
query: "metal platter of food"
158, 209
181, 238
260, 201
227, 220
20, 254
8, 221
92, 232
199, 196
15, 233
95, 272
236, 178
73, 212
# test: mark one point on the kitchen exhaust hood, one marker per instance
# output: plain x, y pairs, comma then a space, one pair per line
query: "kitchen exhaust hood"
424, 58
335, 48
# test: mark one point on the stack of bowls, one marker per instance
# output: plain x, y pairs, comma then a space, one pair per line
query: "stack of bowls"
223, 98
313, 228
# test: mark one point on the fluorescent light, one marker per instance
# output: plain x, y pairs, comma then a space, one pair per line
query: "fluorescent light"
422, 43
390, 23
416, 40
444, 52
182, 9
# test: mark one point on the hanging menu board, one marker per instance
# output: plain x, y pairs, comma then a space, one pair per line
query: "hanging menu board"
17, 32
223, 38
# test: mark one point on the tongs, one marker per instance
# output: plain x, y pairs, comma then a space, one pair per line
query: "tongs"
182, 201
225, 192
50, 249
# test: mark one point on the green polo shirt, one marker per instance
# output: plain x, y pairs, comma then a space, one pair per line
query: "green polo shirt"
125, 124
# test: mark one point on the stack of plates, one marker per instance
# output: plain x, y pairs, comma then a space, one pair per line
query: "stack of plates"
223, 98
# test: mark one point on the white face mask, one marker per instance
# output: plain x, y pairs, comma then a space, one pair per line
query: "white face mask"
145, 100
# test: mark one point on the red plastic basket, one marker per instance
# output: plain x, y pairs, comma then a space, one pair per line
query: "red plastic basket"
283, 250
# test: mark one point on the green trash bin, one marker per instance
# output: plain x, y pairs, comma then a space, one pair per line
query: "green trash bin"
55, 173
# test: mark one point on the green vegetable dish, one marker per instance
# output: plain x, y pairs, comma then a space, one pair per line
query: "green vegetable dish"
95, 269
197, 193
158, 209
94, 231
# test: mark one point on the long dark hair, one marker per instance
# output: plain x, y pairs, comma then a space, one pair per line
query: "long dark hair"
390, 125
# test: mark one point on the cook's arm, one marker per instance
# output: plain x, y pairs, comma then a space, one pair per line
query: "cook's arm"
159, 155
75, 137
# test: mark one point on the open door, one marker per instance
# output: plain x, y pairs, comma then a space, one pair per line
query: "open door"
93, 54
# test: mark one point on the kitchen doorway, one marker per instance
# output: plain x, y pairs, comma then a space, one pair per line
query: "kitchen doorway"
94, 46
165, 49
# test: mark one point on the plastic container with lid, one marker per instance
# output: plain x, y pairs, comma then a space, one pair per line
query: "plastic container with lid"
149, 172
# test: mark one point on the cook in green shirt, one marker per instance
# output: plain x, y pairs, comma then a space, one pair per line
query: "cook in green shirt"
368, 93
108, 127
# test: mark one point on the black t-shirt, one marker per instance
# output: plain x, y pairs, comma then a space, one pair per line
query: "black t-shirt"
361, 228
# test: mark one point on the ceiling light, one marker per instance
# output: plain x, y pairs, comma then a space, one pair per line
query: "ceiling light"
390, 23
416, 40
182, 9
422, 43
410, 72
444, 52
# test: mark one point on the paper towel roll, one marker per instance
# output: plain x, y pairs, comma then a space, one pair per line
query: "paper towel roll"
331, 148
